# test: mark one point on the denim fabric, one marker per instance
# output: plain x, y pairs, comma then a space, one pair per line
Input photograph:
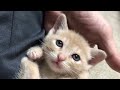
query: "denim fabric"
19, 30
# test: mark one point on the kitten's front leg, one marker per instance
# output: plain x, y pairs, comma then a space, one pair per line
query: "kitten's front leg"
28, 69
35, 53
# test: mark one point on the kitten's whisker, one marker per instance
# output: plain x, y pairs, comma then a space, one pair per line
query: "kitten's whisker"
44, 44
47, 53
74, 70
75, 73
50, 54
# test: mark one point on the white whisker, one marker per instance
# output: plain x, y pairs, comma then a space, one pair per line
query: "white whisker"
69, 72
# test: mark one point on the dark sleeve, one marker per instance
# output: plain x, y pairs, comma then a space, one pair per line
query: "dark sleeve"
19, 30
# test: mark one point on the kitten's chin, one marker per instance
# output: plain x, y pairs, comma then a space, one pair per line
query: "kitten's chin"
56, 68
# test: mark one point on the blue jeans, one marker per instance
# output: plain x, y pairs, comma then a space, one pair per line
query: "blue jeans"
19, 30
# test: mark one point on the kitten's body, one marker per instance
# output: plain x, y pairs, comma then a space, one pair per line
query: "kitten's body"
69, 60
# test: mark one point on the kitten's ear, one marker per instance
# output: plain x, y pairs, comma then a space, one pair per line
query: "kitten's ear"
61, 23
97, 56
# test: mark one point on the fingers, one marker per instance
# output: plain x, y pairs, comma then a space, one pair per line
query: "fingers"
108, 45
113, 56
114, 62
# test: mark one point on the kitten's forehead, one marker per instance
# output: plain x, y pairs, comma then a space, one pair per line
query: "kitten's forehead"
74, 41
72, 37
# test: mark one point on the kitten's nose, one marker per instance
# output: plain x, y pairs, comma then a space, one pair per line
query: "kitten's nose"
61, 57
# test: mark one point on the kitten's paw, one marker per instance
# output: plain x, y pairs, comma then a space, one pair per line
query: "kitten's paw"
28, 69
35, 53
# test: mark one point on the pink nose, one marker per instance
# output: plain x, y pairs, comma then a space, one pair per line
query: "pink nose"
61, 57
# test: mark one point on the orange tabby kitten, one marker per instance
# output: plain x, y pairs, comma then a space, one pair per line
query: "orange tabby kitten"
65, 55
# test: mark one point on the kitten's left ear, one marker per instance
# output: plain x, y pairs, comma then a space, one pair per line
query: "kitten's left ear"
97, 56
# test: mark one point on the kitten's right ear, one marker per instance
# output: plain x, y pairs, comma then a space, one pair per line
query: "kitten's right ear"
61, 23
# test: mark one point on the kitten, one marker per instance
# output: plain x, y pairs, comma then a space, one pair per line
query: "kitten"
64, 54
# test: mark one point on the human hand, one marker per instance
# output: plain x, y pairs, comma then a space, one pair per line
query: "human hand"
94, 28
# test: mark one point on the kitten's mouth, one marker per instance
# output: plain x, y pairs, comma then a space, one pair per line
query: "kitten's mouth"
57, 64
58, 61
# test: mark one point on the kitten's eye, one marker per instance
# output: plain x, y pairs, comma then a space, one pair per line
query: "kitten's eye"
59, 43
76, 57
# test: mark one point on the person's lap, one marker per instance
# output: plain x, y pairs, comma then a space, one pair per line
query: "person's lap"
19, 30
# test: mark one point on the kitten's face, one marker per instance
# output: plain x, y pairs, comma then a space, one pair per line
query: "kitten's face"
67, 52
